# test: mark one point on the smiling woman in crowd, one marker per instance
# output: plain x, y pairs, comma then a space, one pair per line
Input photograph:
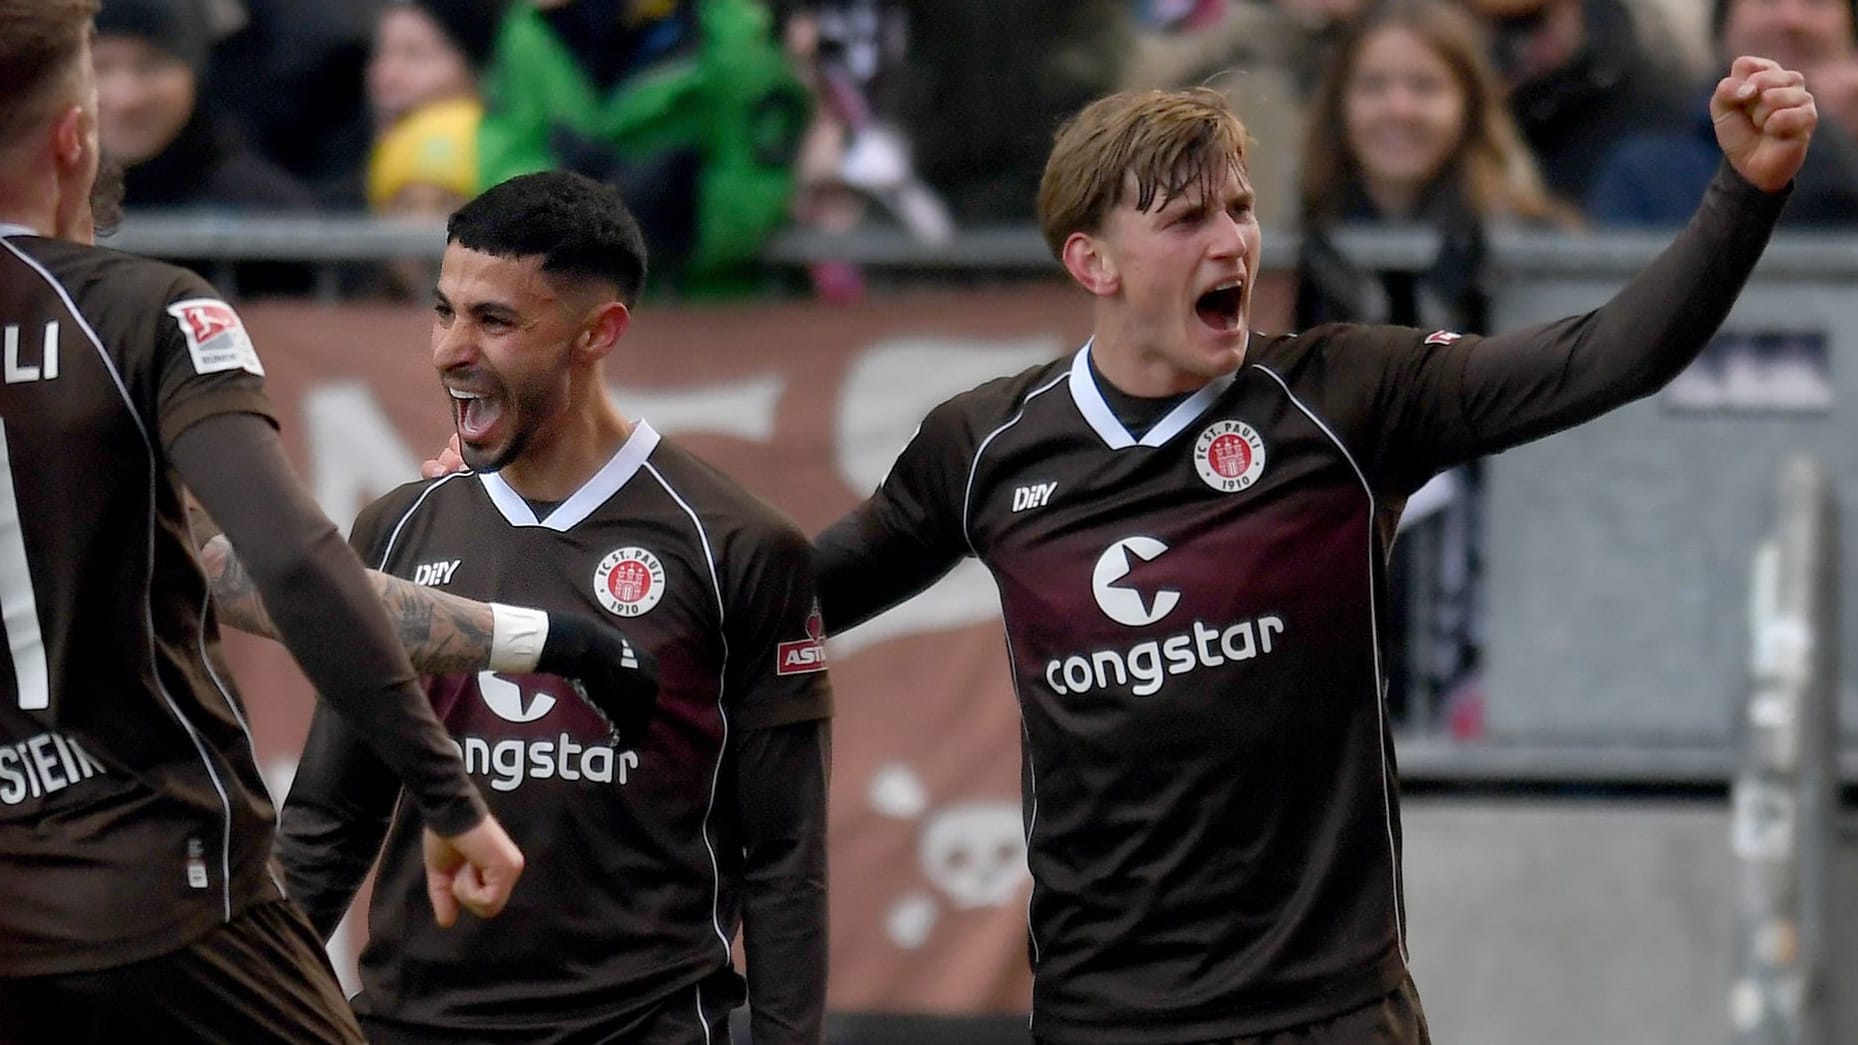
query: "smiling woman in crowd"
1408, 128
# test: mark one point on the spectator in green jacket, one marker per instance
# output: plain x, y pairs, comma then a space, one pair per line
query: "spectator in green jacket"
688, 106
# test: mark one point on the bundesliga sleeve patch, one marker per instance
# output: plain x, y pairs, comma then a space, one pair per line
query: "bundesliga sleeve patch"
803, 656
216, 338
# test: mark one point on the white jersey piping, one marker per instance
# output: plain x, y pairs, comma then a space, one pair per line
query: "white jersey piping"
148, 612
722, 675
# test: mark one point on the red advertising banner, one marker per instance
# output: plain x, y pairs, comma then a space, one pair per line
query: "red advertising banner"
807, 405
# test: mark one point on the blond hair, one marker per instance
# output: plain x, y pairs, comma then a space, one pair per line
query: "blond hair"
40, 45
1168, 141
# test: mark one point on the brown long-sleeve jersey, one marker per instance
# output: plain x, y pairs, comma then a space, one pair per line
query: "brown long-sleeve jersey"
647, 859
1195, 622
132, 816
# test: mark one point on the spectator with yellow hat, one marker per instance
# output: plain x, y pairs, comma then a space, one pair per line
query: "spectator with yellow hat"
426, 162
422, 88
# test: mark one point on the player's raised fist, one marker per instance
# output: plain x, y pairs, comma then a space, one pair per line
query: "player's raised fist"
1764, 119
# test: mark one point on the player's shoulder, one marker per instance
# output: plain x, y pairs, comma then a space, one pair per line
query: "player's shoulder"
991, 403
92, 274
719, 498
1321, 350
387, 510
1325, 337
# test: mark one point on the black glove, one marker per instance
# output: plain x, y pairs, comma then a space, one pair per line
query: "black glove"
614, 676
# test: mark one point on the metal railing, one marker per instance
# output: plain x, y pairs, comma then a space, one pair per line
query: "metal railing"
1784, 797
325, 238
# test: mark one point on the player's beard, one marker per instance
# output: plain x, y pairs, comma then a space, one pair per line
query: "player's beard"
494, 459
106, 195
524, 410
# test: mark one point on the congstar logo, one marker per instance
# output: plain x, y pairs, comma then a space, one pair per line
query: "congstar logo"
1144, 667
1117, 594
508, 701
510, 762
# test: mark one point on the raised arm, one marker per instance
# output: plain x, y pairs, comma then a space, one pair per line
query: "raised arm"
1520, 385
907, 534
867, 562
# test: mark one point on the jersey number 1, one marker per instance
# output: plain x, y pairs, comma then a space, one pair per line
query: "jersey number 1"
19, 607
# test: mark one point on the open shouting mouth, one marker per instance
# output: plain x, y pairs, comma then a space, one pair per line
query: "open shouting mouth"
1219, 307
476, 413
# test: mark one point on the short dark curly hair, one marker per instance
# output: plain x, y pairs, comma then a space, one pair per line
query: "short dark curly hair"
579, 227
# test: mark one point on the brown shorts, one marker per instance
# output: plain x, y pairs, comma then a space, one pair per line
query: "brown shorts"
262, 977
694, 1015
1396, 1019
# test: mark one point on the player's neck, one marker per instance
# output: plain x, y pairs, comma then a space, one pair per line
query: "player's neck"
582, 444
30, 196
1125, 363
38, 215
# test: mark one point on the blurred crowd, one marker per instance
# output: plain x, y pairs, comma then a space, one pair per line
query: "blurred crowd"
726, 121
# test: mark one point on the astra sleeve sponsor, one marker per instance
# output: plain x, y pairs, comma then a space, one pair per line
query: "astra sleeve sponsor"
804, 655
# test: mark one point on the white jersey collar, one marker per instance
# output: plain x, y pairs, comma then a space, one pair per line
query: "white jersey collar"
1096, 411
606, 482
7, 228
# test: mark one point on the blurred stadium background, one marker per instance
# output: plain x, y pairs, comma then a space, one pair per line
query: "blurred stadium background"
1630, 824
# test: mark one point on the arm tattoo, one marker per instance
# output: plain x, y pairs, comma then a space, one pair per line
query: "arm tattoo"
442, 633
234, 594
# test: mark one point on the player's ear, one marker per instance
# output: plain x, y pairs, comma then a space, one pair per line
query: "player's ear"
606, 323
1089, 261
71, 137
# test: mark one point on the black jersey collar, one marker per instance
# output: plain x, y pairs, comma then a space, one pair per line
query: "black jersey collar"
1090, 403
581, 503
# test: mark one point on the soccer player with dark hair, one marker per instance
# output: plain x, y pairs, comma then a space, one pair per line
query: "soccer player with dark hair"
137, 899
710, 820
1188, 526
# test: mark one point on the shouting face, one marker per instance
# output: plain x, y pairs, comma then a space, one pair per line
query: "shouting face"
502, 341
1176, 285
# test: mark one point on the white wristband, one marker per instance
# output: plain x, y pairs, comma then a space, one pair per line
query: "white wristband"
516, 637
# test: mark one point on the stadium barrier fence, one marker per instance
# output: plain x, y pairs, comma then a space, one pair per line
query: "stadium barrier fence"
1784, 797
